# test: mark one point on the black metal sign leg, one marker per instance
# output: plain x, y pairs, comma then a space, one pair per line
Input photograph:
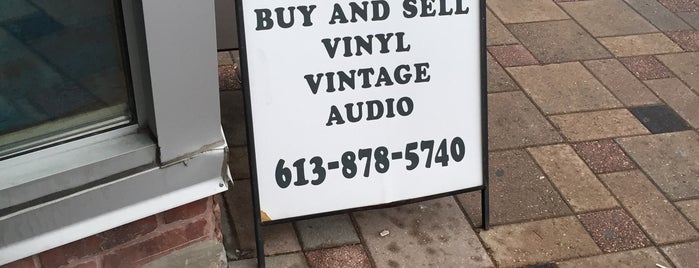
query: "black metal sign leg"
257, 217
259, 242
485, 208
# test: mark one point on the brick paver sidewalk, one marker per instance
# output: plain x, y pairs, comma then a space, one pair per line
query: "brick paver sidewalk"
593, 118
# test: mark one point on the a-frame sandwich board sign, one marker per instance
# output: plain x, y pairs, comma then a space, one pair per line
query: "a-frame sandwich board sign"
359, 104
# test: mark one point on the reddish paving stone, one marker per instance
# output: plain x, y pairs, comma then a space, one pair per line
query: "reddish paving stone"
613, 230
227, 78
603, 156
688, 40
347, 256
512, 55
680, 5
646, 67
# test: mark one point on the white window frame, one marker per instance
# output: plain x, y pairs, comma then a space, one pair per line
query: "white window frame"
174, 154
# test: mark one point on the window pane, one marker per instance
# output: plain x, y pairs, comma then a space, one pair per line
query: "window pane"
61, 70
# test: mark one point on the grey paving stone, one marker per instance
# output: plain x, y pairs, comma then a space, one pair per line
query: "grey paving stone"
539, 242
598, 125
279, 238
608, 17
519, 191
293, 260
498, 79
497, 33
576, 182
563, 88
690, 209
683, 255
660, 219
658, 15
558, 41
671, 160
622, 83
239, 201
685, 66
513, 121
433, 233
510, 11
233, 117
691, 17
326, 232
659, 119
639, 258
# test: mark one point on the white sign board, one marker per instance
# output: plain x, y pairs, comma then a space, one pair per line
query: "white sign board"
356, 104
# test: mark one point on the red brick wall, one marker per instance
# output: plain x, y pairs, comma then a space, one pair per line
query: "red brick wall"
135, 243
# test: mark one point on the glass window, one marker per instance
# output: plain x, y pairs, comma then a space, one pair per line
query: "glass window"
62, 70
